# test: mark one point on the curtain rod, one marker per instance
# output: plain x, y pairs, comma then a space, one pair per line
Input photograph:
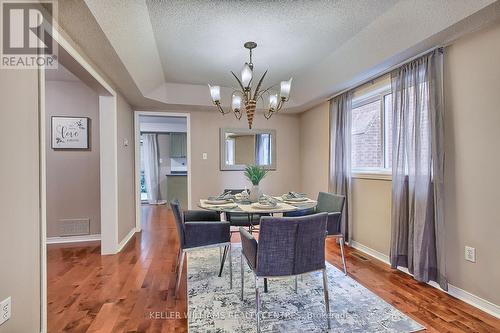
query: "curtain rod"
390, 69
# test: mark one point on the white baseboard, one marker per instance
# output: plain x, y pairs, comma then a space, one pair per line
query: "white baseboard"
91, 238
467, 297
126, 239
73, 239
371, 252
475, 301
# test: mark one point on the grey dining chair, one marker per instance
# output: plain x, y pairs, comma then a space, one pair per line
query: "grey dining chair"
251, 221
287, 246
333, 204
200, 230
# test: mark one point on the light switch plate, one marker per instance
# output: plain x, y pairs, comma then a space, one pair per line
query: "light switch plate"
5, 310
204, 156
470, 254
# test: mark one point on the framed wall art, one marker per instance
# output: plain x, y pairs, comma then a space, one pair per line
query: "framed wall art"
70, 132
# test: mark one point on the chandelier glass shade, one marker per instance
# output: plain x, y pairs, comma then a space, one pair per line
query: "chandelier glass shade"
244, 99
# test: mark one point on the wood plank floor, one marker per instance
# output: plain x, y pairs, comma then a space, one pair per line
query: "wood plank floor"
133, 290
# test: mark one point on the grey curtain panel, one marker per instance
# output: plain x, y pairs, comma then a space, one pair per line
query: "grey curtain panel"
340, 155
151, 167
417, 227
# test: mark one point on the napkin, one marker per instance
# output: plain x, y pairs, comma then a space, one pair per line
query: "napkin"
243, 195
268, 201
293, 195
224, 196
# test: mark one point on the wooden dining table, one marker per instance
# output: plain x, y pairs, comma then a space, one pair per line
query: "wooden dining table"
234, 206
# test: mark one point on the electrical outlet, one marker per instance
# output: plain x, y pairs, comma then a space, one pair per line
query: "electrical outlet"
470, 254
5, 310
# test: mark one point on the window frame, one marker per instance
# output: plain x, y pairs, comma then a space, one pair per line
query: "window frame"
384, 173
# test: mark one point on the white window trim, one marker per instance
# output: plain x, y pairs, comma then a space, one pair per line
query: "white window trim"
374, 173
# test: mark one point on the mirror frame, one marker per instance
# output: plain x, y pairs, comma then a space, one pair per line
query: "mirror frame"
240, 167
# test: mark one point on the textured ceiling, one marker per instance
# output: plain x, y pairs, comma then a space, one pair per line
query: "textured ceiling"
84, 33
200, 41
161, 54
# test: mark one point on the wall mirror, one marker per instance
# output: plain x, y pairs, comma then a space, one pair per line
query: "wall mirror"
240, 147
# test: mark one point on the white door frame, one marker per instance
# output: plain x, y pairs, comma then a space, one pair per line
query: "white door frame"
137, 130
108, 168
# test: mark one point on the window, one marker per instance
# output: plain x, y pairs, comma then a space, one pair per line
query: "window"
371, 136
230, 146
263, 149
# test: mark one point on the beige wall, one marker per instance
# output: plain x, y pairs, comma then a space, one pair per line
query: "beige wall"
19, 199
73, 186
73, 98
371, 213
472, 138
126, 168
244, 149
314, 150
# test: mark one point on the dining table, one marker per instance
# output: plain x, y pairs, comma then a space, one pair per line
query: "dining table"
253, 208
249, 208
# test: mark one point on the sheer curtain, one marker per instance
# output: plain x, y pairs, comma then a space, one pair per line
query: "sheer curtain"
340, 155
417, 231
263, 149
151, 167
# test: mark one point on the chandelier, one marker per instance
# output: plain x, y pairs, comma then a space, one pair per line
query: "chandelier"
248, 97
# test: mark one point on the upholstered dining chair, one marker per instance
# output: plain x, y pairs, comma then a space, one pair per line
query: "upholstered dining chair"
200, 230
250, 221
287, 246
333, 204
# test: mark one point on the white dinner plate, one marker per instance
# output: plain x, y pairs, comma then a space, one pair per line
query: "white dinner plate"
217, 202
293, 200
261, 206
224, 206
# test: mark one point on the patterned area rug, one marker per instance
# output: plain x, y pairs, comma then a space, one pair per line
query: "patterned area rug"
214, 307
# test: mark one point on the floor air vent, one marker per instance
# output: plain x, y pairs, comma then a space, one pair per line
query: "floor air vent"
74, 227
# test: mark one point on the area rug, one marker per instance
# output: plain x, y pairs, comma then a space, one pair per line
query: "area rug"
214, 307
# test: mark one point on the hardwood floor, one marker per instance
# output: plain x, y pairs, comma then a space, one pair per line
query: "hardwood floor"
88, 292
133, 290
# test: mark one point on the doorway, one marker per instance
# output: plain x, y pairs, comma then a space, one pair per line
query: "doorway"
162, 141
99, 222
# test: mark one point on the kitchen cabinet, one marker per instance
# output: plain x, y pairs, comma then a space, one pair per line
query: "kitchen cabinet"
177, 189
178, 145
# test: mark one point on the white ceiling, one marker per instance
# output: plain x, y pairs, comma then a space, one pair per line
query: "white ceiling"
200, 41
168, 50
